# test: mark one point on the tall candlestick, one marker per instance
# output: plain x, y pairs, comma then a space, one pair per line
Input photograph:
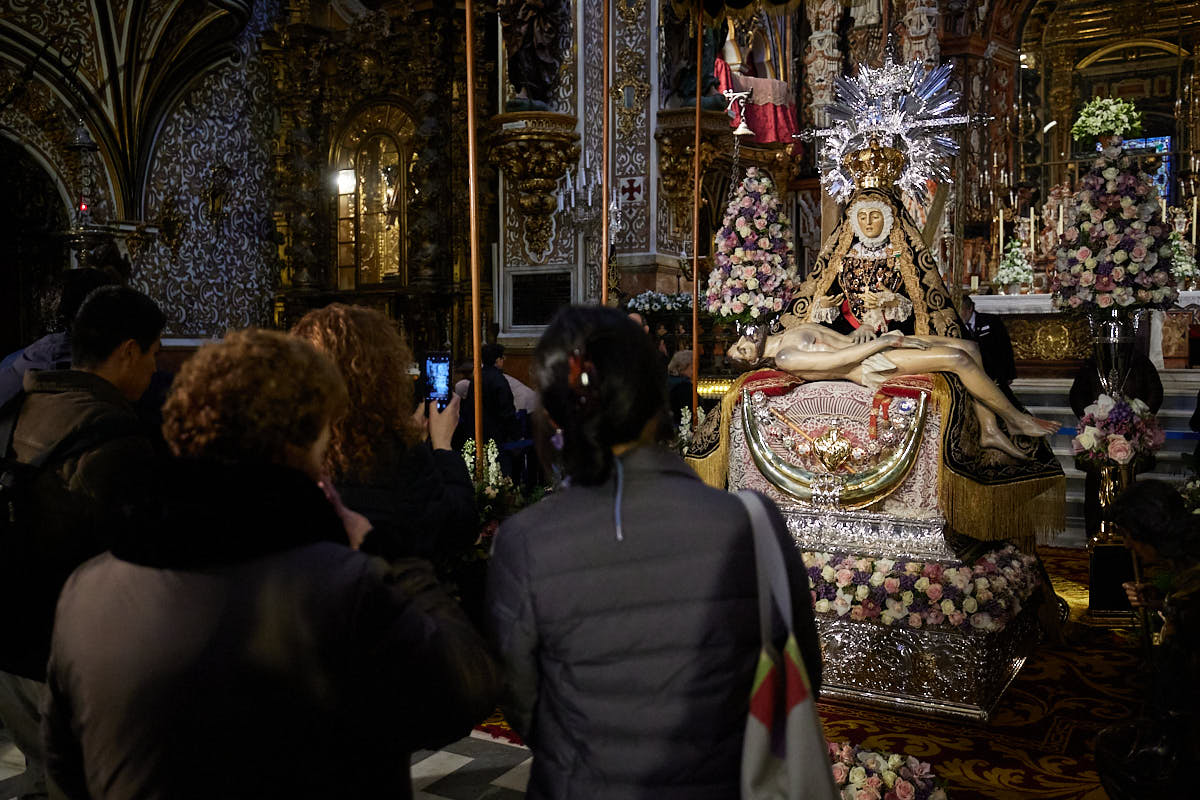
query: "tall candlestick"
1194, 197
1002, 231
1032, 233
1060, 217
1162, 203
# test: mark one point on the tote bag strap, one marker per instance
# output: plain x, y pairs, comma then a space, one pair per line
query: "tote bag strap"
768, 558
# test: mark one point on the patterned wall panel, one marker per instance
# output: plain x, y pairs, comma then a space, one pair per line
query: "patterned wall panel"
633, 132
70, 23
221, 271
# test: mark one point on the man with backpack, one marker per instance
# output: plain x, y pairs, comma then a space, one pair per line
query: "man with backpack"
75, 457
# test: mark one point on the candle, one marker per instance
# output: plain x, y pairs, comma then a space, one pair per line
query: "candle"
1032, 233
1162, 202
1060, 218
570, 188
1002, 230
560, 201
974, 283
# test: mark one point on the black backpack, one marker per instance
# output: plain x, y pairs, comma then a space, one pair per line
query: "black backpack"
16, 477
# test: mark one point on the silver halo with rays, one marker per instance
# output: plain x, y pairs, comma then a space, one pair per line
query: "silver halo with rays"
904, 107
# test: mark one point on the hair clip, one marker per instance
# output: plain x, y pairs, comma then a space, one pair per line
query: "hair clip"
579, 372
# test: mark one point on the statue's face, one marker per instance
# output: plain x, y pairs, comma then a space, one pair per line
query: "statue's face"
871, 222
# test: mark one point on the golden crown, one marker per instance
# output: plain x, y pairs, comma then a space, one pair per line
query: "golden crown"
875, 167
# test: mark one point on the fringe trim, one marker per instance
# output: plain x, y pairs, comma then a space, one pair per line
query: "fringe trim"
713, 468
1024, 512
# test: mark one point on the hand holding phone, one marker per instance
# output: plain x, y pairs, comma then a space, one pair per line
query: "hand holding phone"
437, 375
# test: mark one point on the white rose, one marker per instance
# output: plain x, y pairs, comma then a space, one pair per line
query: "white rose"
858, 775
1110, 173
823, 606
861, 593
970, 606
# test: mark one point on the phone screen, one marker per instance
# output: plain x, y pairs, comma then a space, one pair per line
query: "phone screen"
437, 374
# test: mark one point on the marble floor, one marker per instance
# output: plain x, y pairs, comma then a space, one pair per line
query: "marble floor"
478, 767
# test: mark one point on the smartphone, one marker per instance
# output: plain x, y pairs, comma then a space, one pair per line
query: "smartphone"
437, 378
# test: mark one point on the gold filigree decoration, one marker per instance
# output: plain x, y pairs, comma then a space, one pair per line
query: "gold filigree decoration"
535, 149
630, 90
832, 449
1048, 338
630, 10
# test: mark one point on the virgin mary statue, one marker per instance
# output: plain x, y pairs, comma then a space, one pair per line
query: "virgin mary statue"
874, 273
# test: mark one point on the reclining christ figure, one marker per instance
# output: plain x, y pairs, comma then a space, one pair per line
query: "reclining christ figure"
817, 353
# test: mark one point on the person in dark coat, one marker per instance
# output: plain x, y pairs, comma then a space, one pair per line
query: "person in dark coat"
625, 606
52, 351
995, 347
234, 644
98, 459
499, 408
1144, 384
401, 473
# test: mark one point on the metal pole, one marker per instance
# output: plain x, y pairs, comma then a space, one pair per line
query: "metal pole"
473, 200
605, 143
696, 219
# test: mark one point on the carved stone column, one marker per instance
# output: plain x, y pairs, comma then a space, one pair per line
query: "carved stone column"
1062, 101
822, 58
920, 32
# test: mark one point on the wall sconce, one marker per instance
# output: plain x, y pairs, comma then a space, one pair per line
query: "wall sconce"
347, 181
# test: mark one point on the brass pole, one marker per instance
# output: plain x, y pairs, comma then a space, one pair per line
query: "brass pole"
605, 136
696, 219
473, 200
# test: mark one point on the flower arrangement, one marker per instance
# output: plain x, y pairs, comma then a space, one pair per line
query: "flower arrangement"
1116, 250
686, 431
1116, 430
1183, 261
651, 302
1107, 116
1015, 267
860, 774
1191, 495
984, 596
753, 262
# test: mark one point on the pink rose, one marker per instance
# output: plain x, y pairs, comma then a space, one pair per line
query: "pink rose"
1119, 449
1118, 274
1104, 300
858, 613
934, 616
891, 585
1071, 234
1097, 216
1084, 253
1074, 301
933, 571
1138, 253
934, 592
956, 618
874, 782
914, 620
844, 576
840, 773
866, 794
904, 790
1087, 278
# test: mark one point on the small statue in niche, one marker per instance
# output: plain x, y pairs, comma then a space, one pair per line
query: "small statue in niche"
216, 193
531, 30
678, 59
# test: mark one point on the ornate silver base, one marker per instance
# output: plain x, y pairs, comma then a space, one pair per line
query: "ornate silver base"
866, 534
950, 673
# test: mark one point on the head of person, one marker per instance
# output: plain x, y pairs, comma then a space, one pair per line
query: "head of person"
374, 362
116, 336
69, 291
967, 307
257, 397
492, 355
872, 219
1156, 522
640, 321
601, 383
680, 364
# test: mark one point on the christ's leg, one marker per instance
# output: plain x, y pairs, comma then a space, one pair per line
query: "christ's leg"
957, 361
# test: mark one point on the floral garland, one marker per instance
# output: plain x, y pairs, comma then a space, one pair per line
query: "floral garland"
652, 301
754, 266
1107, 116
860, 774
1015, 268
913, 594
1116, 430
1116, 252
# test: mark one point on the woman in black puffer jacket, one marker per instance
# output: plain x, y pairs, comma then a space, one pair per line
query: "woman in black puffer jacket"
625, 606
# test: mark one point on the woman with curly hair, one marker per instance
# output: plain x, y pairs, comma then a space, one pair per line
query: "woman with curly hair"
235, 624
397, 469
